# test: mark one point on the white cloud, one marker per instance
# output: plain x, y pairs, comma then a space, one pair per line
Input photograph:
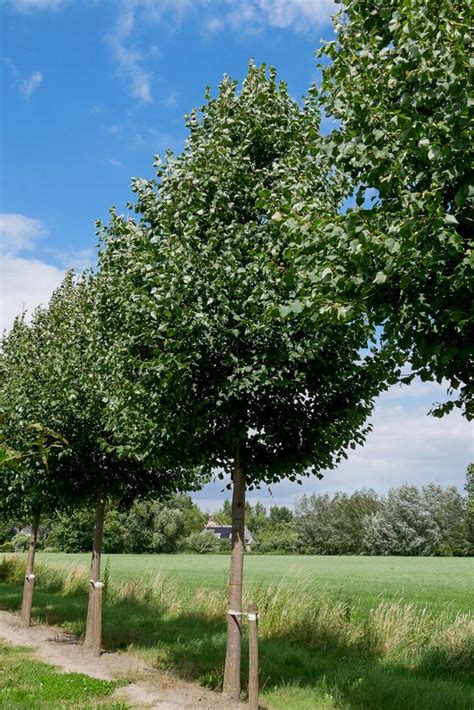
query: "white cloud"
299, 15
405, 445
256, 15
25, 284
19, 233
29, 85
115, 163
408, 445
27, 5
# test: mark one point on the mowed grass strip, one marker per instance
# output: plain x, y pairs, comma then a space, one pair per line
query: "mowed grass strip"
317, 650
26, 683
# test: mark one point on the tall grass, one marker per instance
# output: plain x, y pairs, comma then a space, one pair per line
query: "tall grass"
399, 633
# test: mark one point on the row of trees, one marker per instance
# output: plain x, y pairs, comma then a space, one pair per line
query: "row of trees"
408, 521
231, 324
433, 521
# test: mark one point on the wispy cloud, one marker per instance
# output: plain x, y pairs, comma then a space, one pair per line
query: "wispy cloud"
298, 15
114, 129
213, 16
170, 100
128, 58
213, 25
28, 5
114, 163
29, 85
255, 16
26, 86
144, 137
77, 259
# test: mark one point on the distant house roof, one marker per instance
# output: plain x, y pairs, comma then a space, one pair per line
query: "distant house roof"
224, 532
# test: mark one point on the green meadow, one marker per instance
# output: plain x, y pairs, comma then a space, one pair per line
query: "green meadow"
436, 582
335, 632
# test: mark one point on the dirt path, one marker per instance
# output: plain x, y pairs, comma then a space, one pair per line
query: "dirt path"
150, 688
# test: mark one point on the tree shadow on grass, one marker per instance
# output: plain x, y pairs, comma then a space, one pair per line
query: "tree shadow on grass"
327, 674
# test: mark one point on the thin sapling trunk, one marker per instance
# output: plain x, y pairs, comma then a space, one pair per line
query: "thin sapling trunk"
234, 620
94, 610
29, 583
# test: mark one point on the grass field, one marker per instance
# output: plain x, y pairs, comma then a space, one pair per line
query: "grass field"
335, 632
363, 581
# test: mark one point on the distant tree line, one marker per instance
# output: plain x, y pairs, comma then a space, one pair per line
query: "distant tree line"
407, 521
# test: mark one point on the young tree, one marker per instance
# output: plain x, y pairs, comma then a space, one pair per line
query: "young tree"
27, 486
447, 509
395, 81
213, 369
403, 526
53, 373
334, 526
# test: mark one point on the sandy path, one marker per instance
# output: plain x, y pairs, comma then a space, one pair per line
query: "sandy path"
150, 688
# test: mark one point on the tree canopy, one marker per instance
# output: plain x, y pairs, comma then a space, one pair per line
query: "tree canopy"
208, 353
395, 82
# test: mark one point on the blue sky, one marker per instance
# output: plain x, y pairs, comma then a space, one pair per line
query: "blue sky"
91, 89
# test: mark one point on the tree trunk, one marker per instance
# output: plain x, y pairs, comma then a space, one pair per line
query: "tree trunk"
93, 625
29, 582
234, 621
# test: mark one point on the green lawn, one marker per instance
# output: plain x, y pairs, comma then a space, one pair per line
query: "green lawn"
26, 683
322, 645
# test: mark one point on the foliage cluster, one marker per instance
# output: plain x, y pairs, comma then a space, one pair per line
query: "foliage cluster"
395, 78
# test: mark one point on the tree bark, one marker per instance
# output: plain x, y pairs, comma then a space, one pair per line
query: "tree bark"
93, 625
234, 621
29, 582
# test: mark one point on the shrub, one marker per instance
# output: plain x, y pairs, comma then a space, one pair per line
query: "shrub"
20, 542
204, 542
